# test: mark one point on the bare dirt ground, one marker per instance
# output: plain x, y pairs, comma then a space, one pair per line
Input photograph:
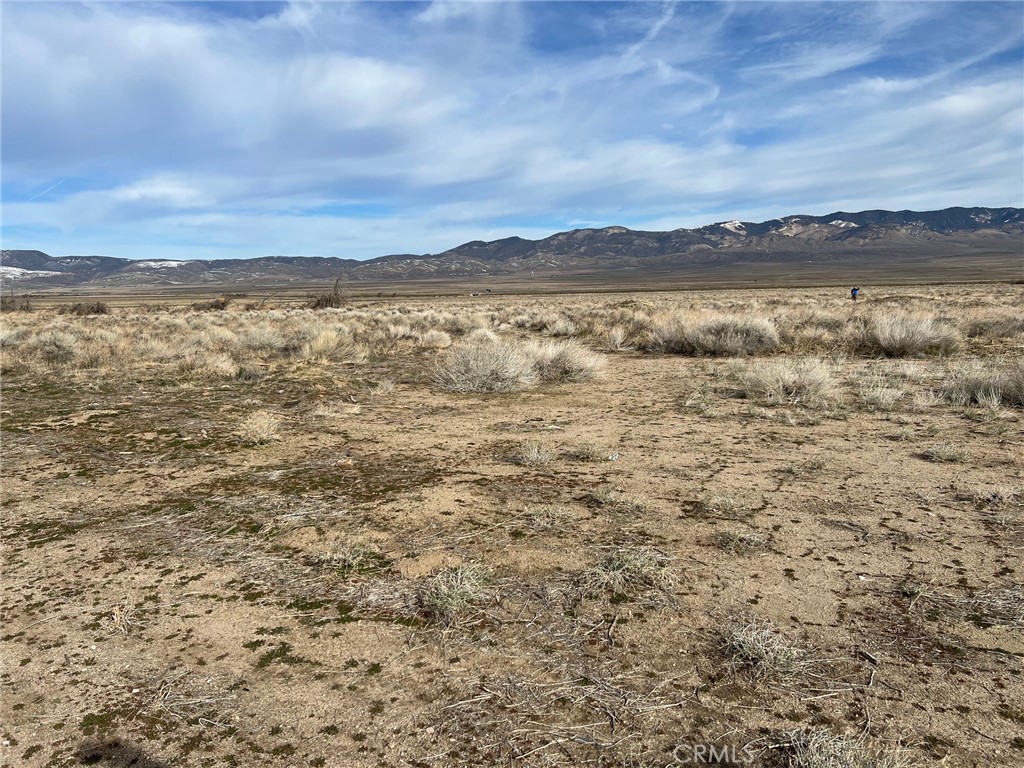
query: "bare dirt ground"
372, 571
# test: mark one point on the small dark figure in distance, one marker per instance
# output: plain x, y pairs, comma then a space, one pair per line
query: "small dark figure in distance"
854, 293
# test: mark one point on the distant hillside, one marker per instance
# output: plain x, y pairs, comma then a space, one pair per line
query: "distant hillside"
878, 238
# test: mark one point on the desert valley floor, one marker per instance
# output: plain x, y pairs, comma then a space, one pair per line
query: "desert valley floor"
527, 531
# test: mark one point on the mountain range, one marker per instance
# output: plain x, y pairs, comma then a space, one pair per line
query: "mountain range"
877, 238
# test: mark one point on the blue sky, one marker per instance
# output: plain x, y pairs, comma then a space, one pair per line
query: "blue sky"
239, 129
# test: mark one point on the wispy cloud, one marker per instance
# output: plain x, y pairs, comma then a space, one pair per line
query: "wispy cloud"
360, 129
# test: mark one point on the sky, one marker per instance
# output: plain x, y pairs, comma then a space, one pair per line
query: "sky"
188, 130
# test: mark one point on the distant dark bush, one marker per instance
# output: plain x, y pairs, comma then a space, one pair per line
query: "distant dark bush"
82, 308
335, 298
12, 303
214, 305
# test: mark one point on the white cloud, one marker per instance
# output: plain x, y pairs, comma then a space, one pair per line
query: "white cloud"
372, 129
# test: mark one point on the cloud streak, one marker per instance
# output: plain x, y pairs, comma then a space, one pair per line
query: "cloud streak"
363, 129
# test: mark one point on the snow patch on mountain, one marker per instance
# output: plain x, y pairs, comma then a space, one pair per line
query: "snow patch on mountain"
159, 264
17, 273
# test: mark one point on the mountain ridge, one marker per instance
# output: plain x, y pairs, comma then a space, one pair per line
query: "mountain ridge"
875, 233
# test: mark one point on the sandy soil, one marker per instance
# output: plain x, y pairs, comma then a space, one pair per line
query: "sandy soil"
174, 597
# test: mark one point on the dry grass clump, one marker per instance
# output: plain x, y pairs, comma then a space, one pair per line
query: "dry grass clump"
121, 618
482, 336
487, 363
263, 338
485, 366
719, 505
759, 647
724, 336
741, 543
896, 334
878, 394
549, 518
450, 593
53, 348
611, 500
435, 339
985, 383
533, 454
564, 361
383, 388
618, 340
1004, 606
999, 497
561, 326
210, 365
786, 382
944, 452
333, 344
590, 452
627, 571
825, 749
259, 428
996, 326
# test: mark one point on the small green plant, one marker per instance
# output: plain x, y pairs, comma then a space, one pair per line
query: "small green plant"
351, 559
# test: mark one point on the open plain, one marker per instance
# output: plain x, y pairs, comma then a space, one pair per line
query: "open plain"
609, 530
